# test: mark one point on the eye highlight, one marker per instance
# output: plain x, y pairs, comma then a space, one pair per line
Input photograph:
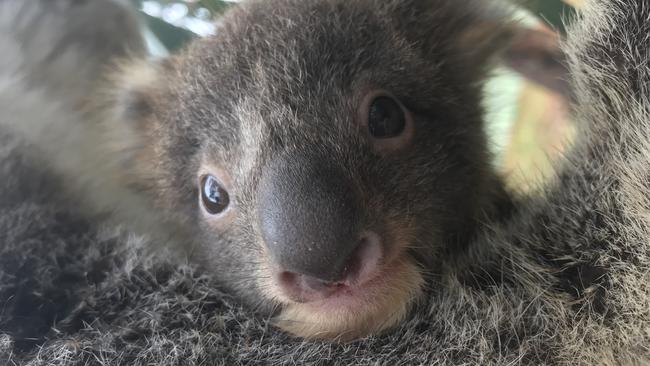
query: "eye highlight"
386, 119
214, 197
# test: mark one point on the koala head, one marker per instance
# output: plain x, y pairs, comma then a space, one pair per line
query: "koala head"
326, 156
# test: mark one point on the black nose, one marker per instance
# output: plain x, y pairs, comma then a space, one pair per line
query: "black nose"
308, 215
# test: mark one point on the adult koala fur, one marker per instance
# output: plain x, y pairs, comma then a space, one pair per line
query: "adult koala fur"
563, 280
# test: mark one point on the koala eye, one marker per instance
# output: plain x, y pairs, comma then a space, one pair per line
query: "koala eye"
214, 198
386, 118
386, 122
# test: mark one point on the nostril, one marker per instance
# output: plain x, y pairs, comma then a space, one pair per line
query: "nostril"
364, 261
288, 279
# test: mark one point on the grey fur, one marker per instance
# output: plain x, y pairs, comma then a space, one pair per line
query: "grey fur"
564, 280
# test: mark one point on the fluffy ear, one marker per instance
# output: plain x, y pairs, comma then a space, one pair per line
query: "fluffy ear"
127, 109
127, 124
481, 42
122, 115
533, 53
132, 91
475, 35
479, 48
536, 55
466, 35
491, 35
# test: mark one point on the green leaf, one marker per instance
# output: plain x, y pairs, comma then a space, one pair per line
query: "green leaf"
551, 12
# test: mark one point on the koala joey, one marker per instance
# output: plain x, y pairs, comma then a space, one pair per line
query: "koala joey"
322, 158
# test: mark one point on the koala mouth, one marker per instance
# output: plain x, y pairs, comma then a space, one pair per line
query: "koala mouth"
363, 269
376, 295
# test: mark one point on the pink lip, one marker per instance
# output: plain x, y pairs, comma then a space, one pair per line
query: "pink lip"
364, 265
354, 295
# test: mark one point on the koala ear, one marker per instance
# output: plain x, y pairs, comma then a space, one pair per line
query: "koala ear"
466, 35
483, 33
534, 53
537, 55
135, 88
483, 41
128, 119
489, 34
486, 34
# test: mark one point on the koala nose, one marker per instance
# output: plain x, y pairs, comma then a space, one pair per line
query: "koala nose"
361, 266
309, 220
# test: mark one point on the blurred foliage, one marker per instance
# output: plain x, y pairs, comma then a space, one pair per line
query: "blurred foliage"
552, 12
197, 8
175, 22
171, 37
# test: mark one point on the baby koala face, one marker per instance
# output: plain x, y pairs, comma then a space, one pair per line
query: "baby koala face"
326, 156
